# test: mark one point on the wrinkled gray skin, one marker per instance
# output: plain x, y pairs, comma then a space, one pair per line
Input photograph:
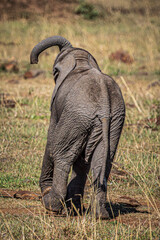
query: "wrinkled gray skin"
87, 116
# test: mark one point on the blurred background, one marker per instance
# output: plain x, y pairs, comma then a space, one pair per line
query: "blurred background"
124, 38
102, 27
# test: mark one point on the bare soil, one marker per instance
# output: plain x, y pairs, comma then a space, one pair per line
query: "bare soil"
64, 9
30, 9
133, 211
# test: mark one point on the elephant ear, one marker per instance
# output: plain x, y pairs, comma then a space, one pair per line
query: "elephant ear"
93, 62
61, 70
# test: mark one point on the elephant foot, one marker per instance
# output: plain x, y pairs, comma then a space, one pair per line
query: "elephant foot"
98, 206
102, 213
98, 212
51, 201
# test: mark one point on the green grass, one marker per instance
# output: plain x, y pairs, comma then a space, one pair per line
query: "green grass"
23, 129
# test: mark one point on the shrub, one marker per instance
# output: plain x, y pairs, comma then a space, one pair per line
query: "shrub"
87, 10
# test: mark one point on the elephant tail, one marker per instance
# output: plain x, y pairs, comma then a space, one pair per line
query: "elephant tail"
105, 135
105, 119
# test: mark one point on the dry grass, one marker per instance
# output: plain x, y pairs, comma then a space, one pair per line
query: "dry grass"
24, 128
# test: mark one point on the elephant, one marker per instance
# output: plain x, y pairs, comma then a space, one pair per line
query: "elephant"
87, 117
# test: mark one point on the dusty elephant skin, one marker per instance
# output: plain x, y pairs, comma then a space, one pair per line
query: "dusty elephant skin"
87, 116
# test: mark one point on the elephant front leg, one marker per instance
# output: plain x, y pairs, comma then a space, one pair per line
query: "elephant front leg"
65, 155
54, 196
46, 177
67, 141
53, 182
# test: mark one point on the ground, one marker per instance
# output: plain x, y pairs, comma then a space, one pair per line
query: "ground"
126, 46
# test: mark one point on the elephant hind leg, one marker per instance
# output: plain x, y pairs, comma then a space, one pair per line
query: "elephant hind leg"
97, 162
98, 203
75, 189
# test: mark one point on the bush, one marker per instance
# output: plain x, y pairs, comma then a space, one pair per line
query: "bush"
87, 10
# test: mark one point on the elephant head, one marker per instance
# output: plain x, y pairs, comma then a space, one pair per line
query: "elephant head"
65, 62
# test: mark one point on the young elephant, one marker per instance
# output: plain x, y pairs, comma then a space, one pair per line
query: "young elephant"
87, 116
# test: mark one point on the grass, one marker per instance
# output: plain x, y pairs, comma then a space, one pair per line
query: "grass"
23, 129
49, 228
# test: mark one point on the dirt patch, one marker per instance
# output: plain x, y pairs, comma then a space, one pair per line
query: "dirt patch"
33, 73
34, 210
61, 9
129, 211
6, 102
9, 66
31, 9
122, 56
140, 219
20, 194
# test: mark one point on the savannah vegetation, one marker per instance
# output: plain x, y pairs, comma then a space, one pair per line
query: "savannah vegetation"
131, 28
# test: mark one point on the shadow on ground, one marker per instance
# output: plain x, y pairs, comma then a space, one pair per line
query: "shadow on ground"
116, 209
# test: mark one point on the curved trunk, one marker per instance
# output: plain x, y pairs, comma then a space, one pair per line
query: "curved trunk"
59, 41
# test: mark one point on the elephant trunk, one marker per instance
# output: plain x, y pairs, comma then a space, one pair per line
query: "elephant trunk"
59, 41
